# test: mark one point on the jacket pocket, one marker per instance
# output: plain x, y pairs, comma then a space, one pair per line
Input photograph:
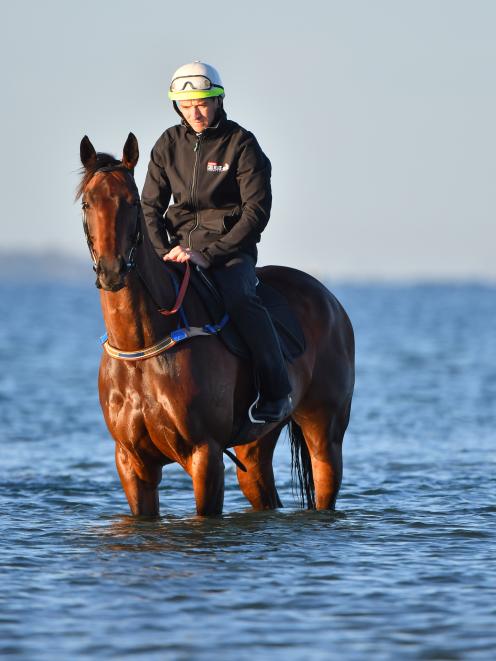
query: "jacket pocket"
212, 221
230, 220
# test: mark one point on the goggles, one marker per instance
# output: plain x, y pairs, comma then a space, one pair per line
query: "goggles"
196, 86
183, 83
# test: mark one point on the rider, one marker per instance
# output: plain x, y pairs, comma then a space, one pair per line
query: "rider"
219, 179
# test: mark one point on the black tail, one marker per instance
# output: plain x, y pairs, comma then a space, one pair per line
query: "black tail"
301, 467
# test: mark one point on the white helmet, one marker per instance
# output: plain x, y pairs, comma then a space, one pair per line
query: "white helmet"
195, 80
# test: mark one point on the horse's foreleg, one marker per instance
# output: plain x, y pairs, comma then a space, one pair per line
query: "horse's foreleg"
207, 471
257, 483
140, 484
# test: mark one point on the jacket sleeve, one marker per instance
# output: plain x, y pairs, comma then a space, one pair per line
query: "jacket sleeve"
253, 177
155, 201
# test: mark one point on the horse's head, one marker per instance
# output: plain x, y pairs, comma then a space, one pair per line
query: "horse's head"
111, 211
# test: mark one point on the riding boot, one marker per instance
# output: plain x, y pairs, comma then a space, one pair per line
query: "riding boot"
237, 282
273, 402
256, 328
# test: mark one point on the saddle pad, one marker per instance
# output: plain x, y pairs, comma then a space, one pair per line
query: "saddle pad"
288, 329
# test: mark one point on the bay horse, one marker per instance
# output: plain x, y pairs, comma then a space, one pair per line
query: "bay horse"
189, 404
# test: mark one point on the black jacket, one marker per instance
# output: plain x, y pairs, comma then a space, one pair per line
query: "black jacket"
220, 183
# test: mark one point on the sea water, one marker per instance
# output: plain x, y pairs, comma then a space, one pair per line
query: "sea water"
404, 569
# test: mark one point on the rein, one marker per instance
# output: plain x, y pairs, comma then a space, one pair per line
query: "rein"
181, 293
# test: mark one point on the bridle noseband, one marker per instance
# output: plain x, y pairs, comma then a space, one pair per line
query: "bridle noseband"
138, 235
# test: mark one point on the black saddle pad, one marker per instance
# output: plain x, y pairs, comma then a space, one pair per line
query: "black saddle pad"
288, 328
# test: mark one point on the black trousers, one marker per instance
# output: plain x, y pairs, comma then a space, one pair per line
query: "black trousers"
236, 280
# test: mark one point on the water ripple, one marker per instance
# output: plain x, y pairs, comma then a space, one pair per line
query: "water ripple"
403, 569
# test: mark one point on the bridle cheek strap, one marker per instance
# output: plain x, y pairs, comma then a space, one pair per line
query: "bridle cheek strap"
130, 262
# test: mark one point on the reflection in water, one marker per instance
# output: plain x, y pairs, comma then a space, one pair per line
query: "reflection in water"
236, 532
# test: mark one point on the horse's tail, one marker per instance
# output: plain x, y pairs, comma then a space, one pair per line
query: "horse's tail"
301, 467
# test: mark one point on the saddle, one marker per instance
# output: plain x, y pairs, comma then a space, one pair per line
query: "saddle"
156, 275
288, 328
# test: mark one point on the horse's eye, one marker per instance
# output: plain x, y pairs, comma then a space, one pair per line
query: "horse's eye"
85, 205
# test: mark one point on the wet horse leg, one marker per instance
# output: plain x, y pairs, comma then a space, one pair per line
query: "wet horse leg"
207, 472
140, 483
323, 431
257, 484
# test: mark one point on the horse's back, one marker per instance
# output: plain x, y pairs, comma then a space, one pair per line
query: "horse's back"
310, 299
330, 353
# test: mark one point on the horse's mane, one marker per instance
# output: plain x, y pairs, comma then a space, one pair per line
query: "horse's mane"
102, 160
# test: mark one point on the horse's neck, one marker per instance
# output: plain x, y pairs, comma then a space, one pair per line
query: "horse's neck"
131, 318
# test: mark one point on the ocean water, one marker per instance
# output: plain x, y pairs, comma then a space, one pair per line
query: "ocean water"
404, 569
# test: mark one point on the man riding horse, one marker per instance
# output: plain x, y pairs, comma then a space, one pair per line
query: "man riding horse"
219, 180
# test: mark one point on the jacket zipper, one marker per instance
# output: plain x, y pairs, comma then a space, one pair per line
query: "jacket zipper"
196, 149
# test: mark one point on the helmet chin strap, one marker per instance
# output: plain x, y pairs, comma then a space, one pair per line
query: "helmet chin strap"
176, 108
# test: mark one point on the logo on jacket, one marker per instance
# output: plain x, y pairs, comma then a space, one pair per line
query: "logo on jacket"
212, 166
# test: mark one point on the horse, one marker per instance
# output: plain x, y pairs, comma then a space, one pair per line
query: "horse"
189, 404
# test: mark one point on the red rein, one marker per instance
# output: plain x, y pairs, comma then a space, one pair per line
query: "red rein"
181, 293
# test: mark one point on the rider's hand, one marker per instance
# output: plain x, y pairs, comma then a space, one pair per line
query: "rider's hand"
177, 254
180, 254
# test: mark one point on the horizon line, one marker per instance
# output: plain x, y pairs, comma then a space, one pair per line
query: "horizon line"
81, 264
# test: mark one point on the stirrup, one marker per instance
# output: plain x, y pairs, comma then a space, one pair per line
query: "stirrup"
250, 414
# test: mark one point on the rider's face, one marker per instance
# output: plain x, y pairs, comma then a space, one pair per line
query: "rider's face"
199, 113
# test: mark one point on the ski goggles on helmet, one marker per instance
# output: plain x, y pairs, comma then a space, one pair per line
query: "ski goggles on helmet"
193, 87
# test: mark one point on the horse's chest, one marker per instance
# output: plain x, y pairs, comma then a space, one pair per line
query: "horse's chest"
136, 399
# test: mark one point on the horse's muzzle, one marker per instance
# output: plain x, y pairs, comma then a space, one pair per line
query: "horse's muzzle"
111, 273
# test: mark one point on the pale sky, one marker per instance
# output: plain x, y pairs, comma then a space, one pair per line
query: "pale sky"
378, 117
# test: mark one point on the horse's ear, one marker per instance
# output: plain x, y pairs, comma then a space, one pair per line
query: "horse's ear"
130, 154
87, 153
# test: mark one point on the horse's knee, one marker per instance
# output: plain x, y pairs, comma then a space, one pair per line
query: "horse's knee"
138, 465
207, 471
140, 482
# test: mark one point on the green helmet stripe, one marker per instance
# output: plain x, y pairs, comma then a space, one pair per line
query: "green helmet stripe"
186, 95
